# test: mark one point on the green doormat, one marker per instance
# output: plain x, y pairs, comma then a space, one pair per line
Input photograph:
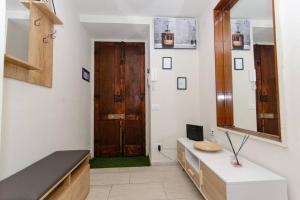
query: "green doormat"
119, 162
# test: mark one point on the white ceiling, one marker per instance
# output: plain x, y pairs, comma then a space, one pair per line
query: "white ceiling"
117, 31
182, 8
253, 9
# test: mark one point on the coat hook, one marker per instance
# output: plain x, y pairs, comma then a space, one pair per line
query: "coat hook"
37, 22
53, 35
45, 40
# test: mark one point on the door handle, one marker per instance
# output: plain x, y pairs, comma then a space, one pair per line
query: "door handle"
115, 116
267, 116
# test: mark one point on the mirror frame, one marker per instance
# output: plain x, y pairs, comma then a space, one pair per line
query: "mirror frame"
223, 70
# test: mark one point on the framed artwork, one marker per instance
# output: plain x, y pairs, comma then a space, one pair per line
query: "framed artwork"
241, 35
167, 63
238, 64
85, 75
175, 33
181, 83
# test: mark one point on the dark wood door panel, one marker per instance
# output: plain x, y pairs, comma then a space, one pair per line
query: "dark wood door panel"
119, 91
107, 138
134, 138
106, 64
268, 120
134, 80
134, 134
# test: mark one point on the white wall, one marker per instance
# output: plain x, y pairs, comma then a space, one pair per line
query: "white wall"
244, 104
284, 161
2, 51
176, 107
38, 121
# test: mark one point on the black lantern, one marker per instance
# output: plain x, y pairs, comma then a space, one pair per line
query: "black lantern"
167, 38
238, 40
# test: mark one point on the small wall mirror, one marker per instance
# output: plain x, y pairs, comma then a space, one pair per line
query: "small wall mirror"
17, 40
251, 73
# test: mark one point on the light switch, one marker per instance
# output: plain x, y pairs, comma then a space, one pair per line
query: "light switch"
154, 74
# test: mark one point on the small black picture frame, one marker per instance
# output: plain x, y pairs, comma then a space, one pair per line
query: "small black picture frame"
85, 75
167, 63
238, 63
181, 83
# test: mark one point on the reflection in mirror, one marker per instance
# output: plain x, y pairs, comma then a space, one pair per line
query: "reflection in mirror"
254, 70
17, 30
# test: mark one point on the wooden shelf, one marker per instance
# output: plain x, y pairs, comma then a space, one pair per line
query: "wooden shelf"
38, 69
45, 9
19, 63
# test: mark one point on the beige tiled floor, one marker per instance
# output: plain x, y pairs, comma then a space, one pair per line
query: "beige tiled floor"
143, 183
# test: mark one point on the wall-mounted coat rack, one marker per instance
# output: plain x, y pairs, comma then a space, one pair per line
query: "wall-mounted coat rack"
38, 70
49, 36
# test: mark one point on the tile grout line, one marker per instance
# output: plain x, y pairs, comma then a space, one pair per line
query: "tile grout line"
108, 196
129, 178
164, 188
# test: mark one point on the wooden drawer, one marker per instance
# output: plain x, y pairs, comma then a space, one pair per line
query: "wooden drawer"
193, 174
211, 185
181, 154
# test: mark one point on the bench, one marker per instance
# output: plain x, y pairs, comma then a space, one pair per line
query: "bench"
63, 175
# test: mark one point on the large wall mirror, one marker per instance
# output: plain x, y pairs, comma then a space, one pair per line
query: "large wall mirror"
246, 67
17, 30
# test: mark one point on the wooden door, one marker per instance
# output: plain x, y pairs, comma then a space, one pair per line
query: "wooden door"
119, 125
267, 91
134, 131
107, 84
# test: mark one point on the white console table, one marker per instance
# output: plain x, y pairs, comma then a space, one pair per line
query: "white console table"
217, 179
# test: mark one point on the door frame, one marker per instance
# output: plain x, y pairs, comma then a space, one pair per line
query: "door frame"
147, 91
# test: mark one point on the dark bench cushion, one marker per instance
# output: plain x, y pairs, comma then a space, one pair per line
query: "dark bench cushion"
36, 180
